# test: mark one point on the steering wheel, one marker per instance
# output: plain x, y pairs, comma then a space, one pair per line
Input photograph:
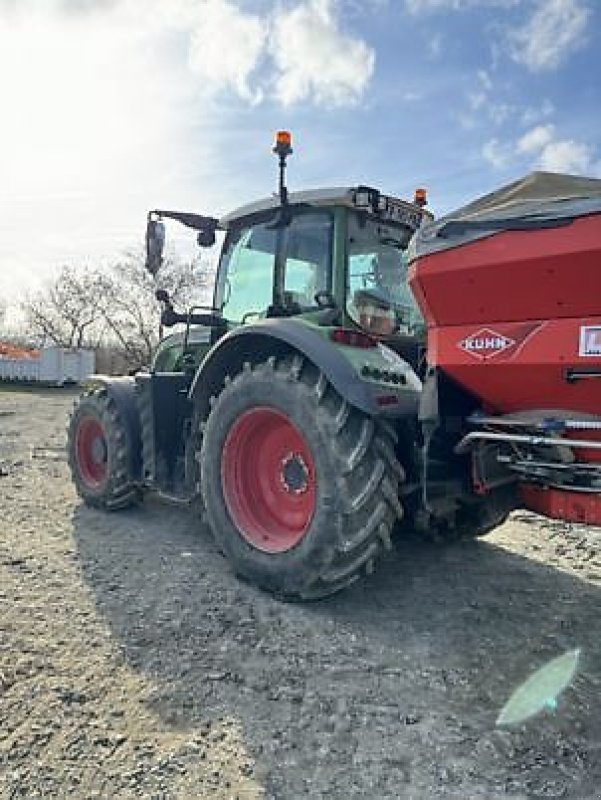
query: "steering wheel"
249, 314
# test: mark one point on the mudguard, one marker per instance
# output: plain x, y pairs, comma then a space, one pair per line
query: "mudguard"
260, 340
122, 391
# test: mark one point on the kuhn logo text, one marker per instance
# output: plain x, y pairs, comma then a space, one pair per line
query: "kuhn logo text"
485, 343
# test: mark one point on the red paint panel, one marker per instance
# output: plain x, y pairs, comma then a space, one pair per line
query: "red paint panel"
529, 373
558, 504
514, 275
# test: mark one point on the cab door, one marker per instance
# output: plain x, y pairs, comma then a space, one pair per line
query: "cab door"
268, 268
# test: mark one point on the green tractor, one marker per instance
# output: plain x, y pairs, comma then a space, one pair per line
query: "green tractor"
289, 409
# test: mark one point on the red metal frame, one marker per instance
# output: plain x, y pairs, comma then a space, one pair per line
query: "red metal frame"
583, 507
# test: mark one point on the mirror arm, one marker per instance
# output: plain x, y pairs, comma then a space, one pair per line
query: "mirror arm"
169, 318
197, 222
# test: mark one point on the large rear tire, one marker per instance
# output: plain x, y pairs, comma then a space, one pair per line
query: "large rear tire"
300, 489
98, 449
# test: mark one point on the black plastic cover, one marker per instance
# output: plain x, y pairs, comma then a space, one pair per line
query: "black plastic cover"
539, 200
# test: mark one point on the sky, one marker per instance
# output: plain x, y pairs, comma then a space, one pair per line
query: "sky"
113, 107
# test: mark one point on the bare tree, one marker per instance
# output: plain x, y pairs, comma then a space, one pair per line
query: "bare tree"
66, 309
115, 306
131, 312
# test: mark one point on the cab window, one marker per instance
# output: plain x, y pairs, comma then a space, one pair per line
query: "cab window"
245, 288
246, 274
379, 298
308, 257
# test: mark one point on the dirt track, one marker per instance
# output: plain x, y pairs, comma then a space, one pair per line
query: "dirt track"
134, 665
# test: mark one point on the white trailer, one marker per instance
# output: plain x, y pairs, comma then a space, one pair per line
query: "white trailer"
55, 366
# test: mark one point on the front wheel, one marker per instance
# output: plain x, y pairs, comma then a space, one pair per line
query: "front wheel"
300, 489
98, 449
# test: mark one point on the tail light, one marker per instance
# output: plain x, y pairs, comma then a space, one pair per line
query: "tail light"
352, 338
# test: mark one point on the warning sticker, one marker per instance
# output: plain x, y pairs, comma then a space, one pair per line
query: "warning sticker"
590, 340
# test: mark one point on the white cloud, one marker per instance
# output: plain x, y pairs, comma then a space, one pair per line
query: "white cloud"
546, 151
477, 96
553, 154
226, 46
435, 45
566, 156
476, 100
482, 101
424, 6
485, 80
416, 6
315, 59
108, 112
97, 121
500, 112
496, 153
467, 121
295, 54
535, 113
535, 139
555, 29
292, 52
419, 6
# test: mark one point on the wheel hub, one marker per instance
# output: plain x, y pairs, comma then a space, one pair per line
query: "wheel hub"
98, 450
295, 475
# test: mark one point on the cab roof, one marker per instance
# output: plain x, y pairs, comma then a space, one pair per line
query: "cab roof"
332, 196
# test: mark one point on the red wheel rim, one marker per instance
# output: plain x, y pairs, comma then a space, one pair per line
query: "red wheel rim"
91, 452
268, 480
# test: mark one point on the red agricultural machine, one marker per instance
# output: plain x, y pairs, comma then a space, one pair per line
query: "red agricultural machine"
510, 287
315, 409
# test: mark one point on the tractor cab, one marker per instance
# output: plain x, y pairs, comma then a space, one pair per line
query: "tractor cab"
334, 257
341, 249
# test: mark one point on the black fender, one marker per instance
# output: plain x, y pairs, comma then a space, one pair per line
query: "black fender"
122, 390
256, 342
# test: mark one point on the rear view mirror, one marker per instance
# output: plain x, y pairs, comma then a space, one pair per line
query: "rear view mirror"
155, 242
206, 237
162, 296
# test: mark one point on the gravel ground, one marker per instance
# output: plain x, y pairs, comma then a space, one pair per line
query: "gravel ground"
134, 665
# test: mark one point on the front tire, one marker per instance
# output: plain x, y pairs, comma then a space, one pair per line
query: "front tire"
300, 489
98, 449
